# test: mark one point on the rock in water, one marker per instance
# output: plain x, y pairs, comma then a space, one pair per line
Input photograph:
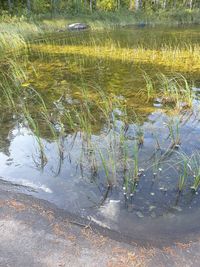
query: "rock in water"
77, 26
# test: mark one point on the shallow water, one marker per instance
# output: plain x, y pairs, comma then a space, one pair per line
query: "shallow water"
60, 68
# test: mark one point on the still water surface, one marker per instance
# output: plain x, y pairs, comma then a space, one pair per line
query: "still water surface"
60, 68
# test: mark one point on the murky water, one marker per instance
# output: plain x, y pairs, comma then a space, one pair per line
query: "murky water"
94, 175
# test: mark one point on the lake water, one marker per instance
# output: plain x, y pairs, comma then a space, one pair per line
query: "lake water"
120, 169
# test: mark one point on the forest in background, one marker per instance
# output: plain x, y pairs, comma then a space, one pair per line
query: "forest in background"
54, 7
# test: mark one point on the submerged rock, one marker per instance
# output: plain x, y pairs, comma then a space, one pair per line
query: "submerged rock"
77, 26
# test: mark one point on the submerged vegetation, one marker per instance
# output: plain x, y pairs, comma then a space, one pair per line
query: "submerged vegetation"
114, 154
114, 109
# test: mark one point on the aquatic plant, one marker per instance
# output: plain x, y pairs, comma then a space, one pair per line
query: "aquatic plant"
99, 105
176, 91
109, 167
12, 75
131, 171
35, 128
139, 134
135, 160
150, 88
11, 44
183, 176
170, 57
126, 172
183, 164
174, 132
136, 174
195, 170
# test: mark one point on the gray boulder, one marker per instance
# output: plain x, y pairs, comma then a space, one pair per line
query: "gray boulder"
77, 26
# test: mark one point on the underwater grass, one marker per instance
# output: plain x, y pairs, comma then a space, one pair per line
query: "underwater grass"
170, 57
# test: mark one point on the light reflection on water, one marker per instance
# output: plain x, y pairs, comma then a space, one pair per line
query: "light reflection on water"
71, 182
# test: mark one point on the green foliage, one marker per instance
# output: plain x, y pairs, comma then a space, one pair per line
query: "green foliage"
38, 5
180, 10
108, 5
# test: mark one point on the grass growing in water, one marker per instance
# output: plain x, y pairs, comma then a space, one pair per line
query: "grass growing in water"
80, 118
176, 91
195, 170
171, 57
173, 91
35, 128
184, 175
174, 132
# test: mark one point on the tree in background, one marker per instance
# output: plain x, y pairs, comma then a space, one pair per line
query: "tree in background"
60, 6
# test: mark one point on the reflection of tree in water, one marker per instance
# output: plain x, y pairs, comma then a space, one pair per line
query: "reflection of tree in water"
6, 125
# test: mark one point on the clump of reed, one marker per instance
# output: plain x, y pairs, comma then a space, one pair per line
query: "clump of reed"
150, 87
12, 75
176, 91
173, 91
13, 78
173, 126
183, 176
189, 170
34, 126
195, 170
131, 171
108, 161
11, 43
14, 36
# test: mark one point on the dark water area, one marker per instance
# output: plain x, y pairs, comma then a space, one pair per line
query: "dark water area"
95, 175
